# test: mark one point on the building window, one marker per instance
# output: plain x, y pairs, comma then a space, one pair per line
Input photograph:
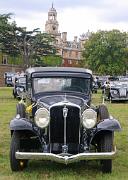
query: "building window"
76, 62
4, 59
63, 61
76, 54
69, 61
70, 53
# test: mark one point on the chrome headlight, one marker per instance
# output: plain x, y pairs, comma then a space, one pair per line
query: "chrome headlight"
42, 117
21, 89
115, 92
89, 118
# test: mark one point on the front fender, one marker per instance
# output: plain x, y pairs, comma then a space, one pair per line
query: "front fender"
109, 124
104, 126
20, 124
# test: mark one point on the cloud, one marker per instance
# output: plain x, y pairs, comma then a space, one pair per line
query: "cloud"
78, 21
115, 12
45, 4
74, 16
25, 5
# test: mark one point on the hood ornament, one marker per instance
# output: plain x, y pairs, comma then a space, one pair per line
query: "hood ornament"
65, 98
65, 112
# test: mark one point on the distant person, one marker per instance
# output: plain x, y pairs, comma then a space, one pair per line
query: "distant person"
22, 73
17, 75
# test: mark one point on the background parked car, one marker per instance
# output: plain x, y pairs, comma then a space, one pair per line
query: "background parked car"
94, 87
8, 76
117, 91
101, 81
19, 86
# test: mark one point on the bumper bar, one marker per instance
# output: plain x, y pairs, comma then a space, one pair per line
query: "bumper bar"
66, 159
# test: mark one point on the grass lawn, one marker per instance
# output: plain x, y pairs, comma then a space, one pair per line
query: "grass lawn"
49, 170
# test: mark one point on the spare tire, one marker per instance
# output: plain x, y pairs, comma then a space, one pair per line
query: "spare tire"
103, 112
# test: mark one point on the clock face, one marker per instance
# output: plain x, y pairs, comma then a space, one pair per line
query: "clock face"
54, 28
50, 18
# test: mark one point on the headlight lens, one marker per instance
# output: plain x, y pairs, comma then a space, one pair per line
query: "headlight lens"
89, 118
42, 117
115, 92
20, 89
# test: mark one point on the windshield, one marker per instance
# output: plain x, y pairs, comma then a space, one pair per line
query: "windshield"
119, 84
61, 84
22, 80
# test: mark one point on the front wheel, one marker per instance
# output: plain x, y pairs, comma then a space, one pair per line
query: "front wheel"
103, 112
106, 145
16, 164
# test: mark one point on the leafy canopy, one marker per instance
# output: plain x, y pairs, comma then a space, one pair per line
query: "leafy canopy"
31, 45
106, 52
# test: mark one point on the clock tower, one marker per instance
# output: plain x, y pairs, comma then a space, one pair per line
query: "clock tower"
51, 26
69, 50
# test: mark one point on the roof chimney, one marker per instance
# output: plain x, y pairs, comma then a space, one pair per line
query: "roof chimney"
64, 36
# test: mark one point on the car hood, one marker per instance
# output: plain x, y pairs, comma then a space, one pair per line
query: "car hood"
48, 101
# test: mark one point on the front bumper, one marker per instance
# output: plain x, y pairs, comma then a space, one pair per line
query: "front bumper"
66, 158
119, 98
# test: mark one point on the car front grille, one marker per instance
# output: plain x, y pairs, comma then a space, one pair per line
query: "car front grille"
57, 124
123, 92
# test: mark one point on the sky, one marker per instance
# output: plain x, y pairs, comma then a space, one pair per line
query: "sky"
74, 16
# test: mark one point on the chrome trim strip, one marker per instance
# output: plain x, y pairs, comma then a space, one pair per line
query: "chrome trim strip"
50, 135
119, 99
67, 159
65, 113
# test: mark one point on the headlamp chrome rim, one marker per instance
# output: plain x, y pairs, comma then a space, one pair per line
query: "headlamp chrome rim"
115, 92
42, 117
89, 118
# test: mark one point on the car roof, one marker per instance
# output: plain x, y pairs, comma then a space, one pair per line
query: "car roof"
58, 69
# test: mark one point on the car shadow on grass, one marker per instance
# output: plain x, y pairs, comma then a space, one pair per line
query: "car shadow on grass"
78, 168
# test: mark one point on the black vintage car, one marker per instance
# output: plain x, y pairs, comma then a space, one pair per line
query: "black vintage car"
19, 86
116, 91
58, 122
9, 76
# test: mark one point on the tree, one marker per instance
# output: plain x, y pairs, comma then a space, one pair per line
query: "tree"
52, 60
106, 52
31, 45
5, 31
